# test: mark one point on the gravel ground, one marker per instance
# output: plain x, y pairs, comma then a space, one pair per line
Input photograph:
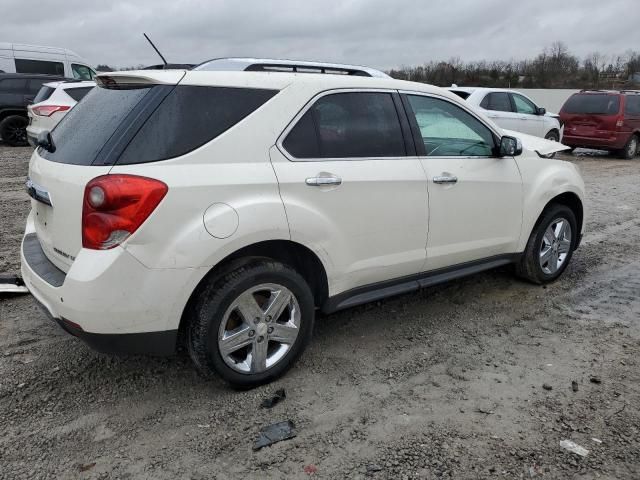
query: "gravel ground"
444, 383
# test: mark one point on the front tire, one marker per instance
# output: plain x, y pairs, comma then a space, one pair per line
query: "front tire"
251, 324
550, 246
13, 130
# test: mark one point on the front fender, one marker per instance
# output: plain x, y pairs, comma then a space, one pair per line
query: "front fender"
543, 180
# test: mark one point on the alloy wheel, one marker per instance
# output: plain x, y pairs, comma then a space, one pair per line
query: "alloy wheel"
259, 328
555, 246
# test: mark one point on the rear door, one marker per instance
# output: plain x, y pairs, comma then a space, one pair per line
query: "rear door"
528, 118
632, 112
500, 109
475, 198
352, 186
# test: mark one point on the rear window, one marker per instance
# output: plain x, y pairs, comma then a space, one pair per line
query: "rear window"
77, 93
632, 105
44, 94
593, 104
497, 101
83, 132
147, 124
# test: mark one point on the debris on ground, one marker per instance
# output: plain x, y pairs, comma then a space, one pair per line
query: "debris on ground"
373, 468
574, 448
12, 284
274, 433
574, 386
596, 440
275, 399
85, 467
595, 380
310, 469
546, 386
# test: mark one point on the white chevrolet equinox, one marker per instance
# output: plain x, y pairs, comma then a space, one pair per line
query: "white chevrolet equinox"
223, 208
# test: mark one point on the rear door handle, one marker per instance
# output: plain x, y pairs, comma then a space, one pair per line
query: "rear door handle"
445, 179
323, 181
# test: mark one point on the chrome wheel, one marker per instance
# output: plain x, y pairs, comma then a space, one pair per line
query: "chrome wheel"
259, 328
555, 246
632, 147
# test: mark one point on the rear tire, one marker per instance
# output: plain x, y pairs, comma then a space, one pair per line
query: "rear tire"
250, 325
550, 246
630, 150
13, 130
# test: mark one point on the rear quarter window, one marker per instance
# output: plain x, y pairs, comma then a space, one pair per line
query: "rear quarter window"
190, 117
39, 66
78, 93
632, 105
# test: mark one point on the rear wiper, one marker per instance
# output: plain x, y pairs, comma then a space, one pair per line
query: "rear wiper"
45, 141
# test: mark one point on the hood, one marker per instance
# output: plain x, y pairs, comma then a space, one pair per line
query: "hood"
537, 144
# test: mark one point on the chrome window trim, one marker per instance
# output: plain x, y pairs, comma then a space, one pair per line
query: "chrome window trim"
310, 104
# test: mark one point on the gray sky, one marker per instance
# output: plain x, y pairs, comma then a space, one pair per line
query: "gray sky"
378, 33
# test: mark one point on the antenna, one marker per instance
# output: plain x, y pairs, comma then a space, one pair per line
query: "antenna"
154, 47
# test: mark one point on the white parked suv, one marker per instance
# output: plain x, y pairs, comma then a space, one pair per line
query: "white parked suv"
513, 110
229, 206
52, 103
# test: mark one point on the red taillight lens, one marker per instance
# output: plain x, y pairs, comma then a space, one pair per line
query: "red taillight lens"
114, 206
48, 110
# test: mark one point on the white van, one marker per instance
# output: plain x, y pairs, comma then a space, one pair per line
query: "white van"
21, 58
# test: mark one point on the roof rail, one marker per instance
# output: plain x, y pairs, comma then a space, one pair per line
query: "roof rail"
291, 66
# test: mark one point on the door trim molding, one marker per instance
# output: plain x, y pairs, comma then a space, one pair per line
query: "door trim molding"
411, 283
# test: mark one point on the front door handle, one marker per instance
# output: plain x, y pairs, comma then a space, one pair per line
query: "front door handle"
445, 179
323, 181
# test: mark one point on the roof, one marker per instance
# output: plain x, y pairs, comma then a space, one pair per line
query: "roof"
38, 48
270, 80
272, 64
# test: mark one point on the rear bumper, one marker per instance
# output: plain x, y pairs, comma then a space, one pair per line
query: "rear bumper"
146, 343
613, 142
108, 298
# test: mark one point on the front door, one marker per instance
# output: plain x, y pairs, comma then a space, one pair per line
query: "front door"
350, 190
527, 111
475, 198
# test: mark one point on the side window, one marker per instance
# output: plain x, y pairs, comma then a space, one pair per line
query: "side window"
449, 131
498, 101
524, 105
81, 72
78, 93
348, 125
39, 66
632, 105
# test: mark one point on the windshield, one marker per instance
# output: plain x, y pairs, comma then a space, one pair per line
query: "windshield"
593, 104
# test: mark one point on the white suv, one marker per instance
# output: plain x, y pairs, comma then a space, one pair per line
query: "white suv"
513, 111
228, 207
52, 103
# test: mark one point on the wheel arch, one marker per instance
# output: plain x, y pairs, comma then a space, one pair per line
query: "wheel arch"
294, 254
570, 200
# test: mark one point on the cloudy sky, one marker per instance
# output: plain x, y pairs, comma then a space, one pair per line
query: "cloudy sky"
379, 33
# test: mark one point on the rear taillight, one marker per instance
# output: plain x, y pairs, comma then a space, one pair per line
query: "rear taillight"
114, 206
48, 110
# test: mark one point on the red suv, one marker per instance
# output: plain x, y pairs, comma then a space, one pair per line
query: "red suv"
607, 120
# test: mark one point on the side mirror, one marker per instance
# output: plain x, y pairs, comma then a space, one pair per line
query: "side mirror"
45, 141
542, 111
510, 147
